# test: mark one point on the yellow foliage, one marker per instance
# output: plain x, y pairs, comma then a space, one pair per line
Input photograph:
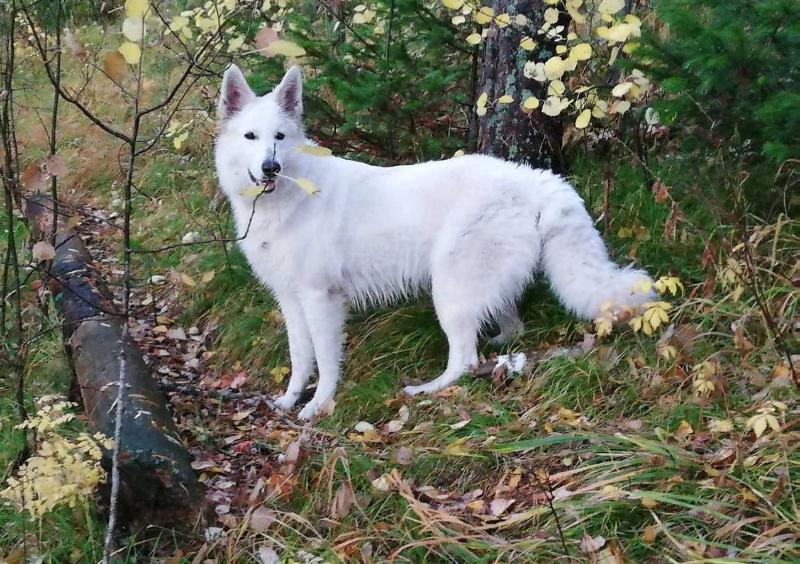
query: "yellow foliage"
62, 470
130, 52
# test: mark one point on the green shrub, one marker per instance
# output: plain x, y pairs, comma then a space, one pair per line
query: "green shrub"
733, 69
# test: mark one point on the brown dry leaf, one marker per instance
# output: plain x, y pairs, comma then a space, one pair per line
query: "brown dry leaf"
208, 276
244, 414
499, 505
177, 333
403, 455
43, 251
114, 65
741, 342
660, 193
342, 501
684, 430
33, 178
264, 38
74, 46
671, 226
55, 165
592, 544
261, 519
649, 535
188, 280
649, 502
290, 459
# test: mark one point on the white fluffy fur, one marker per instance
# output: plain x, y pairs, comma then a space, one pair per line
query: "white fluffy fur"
474, 230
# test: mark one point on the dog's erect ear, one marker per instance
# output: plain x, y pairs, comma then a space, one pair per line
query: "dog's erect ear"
289, 93
235, 93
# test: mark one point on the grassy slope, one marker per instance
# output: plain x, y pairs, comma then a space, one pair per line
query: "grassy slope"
613, 472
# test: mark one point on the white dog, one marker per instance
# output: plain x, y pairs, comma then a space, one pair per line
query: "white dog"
474, 229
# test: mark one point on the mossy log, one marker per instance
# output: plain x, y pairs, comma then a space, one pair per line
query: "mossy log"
158, 485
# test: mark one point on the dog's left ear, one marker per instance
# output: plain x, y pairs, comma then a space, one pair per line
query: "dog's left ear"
289, 93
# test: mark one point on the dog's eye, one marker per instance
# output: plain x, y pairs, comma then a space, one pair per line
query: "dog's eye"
250, 135
279, 136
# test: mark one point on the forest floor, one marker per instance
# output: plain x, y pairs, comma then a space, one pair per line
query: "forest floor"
609, 453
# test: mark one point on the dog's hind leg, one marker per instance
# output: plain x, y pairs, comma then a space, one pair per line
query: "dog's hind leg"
481, 263
460, 323
510, 325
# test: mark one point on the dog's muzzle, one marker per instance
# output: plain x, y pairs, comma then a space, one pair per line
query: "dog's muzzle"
268, 183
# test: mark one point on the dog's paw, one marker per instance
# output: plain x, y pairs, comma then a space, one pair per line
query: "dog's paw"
310, 410
285, 402
414, 390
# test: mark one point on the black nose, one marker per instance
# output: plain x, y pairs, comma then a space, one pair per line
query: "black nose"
270, 168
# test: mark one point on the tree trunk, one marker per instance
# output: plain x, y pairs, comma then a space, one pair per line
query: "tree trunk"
507, 131
158, 485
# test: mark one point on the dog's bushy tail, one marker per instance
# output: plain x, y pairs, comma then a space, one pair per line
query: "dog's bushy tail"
576, 262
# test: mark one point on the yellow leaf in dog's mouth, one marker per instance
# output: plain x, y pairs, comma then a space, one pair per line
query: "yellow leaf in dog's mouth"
307, 186
251, 191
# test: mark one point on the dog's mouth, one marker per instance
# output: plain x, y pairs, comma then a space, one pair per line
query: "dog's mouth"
268, 184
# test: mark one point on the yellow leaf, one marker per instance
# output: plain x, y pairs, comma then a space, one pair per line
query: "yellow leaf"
582, 52
684, 430
315, 150
611, 6
556, 88
457, 448
530, 103
554, 105
459, 153
528, 44
503, 20
307, 186
482, 99
506, 99
474, 38
551, 15
772, 421
130, 52
484, 15
188, 280
561, 49
649, 502
458, 20
235, 43
554, 68
621, 89
602, 326
133, 28
251, 191
178, 140
520, 20
583, 119
178, 23
285, 48
720, 426
453, 4
136, 8
619, 107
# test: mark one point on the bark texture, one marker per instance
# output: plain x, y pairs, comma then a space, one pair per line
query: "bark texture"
158, 485
507, 131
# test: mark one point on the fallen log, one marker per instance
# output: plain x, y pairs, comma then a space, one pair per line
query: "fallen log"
157, 483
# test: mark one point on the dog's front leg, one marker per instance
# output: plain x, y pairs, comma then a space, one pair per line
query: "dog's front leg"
301, 350
325, 313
